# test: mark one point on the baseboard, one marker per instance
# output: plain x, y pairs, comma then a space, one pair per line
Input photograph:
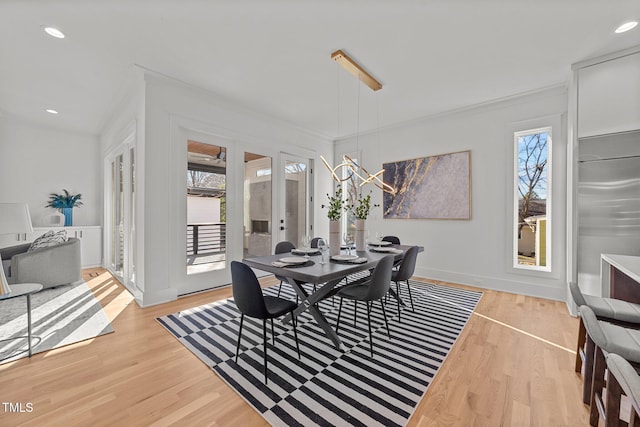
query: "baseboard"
556, 293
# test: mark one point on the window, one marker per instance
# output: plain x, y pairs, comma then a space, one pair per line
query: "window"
350, 189
532, 199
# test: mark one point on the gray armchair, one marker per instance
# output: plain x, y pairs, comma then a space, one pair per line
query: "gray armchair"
51, 266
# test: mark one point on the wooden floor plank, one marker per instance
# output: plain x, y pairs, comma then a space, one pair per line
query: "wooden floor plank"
512, 365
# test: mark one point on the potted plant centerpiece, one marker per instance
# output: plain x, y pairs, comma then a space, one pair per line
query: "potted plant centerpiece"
65, 204
361, 210
336, 204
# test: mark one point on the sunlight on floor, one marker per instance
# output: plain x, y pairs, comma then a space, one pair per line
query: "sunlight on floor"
114, 298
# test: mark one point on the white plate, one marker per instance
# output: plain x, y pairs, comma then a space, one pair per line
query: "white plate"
384, 249
380, 243
305, 251
293, 260
344, 257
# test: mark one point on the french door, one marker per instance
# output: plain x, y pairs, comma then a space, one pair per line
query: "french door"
296, 202
205, 225
120, 213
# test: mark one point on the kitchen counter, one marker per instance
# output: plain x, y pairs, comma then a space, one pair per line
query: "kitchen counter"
620, 275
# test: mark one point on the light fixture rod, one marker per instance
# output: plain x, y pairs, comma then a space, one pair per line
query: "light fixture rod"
354, 68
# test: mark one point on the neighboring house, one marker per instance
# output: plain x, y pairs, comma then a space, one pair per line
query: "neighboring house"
532, 233
532, 239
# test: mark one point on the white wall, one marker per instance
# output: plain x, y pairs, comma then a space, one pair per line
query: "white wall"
475, 252
36, 161
172, 110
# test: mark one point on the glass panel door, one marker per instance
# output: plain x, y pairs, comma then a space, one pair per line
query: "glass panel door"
132, 216
206, 207
295, 206
117, 216
120, 221
257, 229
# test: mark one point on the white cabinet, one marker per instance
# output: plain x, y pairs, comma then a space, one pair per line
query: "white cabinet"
609, 96
90, 237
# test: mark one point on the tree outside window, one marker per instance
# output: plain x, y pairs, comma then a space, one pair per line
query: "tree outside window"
532, 185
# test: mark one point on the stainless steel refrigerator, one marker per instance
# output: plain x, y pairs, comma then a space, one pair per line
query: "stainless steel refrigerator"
608, 203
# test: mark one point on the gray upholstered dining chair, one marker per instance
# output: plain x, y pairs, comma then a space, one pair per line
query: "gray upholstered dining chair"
369, 291
391, 239
248, 296
604, 338
404, 273
623, 379
282, 248
609, 309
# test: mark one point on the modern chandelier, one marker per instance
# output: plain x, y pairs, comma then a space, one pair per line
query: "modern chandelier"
353, 169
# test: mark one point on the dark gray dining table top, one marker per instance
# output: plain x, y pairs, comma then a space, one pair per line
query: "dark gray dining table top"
321, 273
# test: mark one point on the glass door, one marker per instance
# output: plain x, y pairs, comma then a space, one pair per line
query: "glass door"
257, 229
120, 212
207, 222
295, 206
117, 216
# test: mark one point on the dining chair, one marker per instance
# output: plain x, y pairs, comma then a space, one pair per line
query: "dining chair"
404, 273
623, 379
604, 338
611, 310
314, 242
282, 248
369, 291
248, 296
391, 239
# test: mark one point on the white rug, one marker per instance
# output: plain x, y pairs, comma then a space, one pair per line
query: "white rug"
59, 316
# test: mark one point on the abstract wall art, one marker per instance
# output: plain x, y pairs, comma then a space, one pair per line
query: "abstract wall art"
434, 187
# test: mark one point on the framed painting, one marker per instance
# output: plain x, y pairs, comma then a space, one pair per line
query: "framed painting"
435, 187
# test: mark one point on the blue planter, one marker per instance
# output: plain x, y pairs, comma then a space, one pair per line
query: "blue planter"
68, 216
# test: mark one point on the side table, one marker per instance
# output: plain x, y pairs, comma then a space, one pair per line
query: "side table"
19, 290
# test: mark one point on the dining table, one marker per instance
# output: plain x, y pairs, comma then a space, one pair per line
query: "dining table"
326, 277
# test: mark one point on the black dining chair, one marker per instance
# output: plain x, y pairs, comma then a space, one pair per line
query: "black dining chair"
248, 296
394, 240
404, 273
282, 248
391, 239
314, 242
369, 291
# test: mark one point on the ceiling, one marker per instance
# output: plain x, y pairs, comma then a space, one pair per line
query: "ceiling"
274, 56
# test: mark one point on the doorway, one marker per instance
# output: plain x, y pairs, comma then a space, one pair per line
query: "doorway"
296, 204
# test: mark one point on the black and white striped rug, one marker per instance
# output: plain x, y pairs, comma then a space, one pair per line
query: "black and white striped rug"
327, 387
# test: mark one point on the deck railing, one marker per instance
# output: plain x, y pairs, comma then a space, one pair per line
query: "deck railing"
206, 238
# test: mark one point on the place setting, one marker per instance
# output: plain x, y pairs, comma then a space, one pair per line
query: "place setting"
293, 261
348, 258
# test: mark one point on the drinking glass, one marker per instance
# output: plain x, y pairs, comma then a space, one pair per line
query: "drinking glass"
379, 236
306, 242
348, 240
323, 248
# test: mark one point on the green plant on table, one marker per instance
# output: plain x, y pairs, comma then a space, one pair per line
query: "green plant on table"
336, 204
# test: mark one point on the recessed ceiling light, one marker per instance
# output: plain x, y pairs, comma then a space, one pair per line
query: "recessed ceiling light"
626, 27
54, 32
50, 111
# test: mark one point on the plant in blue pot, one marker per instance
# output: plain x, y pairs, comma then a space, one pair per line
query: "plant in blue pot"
65, 204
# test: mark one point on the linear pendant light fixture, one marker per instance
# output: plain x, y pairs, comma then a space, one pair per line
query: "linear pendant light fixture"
354, 68
354, 169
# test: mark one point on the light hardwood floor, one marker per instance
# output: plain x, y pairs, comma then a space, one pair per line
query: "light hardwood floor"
512, 365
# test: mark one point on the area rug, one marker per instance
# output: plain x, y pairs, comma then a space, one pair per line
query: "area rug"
59, 316
327, 387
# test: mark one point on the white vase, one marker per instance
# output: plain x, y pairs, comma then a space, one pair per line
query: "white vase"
360, 243
334, 237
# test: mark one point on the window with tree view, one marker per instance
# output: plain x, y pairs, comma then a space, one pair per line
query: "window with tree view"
532, 234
